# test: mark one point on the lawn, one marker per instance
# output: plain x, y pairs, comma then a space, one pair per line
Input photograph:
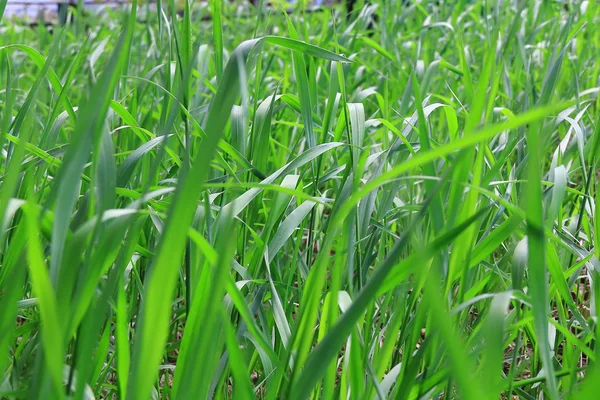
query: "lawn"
221, 200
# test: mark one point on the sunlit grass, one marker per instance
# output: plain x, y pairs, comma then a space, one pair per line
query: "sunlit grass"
219, 201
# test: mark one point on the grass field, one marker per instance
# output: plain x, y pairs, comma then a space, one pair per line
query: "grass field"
226, 201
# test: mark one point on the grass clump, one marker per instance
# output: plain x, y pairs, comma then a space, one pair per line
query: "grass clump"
223, 200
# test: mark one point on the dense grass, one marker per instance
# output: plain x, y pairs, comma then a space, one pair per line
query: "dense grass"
235, 202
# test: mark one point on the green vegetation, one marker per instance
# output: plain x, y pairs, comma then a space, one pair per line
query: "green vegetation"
218, 201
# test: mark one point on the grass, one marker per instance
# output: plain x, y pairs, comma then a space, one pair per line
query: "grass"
225, 201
